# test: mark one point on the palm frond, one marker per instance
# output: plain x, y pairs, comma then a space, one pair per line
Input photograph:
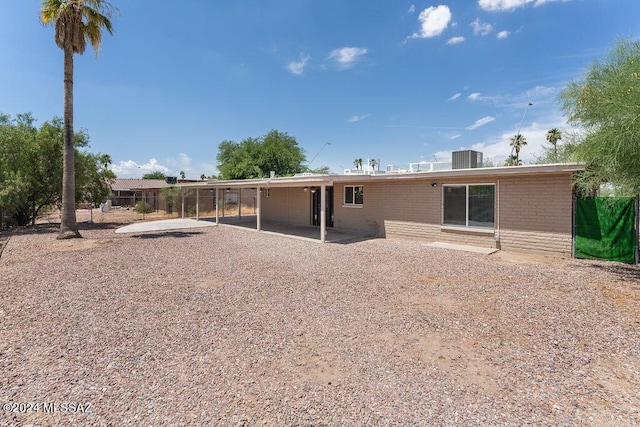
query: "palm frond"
77, 22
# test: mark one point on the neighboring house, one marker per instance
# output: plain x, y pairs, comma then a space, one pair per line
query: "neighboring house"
523, 207
126, 192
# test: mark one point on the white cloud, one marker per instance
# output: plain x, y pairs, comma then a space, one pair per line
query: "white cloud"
347, 57
509, 5
541, 92
433, 22
496, 148
412, 8
208, 169
171, 167
456, 136
481, 122
297, 67
131, 169
502, 34
481, 28
181, 163
476, 96
455, 96
456, 40
354, 119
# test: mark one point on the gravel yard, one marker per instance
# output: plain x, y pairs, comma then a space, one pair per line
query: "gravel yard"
222, 326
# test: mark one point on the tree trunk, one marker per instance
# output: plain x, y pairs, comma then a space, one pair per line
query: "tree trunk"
68, 225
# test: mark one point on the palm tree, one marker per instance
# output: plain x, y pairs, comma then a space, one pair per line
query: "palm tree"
373, 163
512, 161
358, 163
517, 142
76, 22
553, 136
182, 175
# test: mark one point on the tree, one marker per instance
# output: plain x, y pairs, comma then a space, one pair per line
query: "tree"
358, 163
488, 163
605, 105
257, 157
171, 196
560, 153
322, 170
513, 160
93, 177
373, 163
155, 175
553, 136
31, 168
517, 142
182, 175
281, 154
203, 177
76, 22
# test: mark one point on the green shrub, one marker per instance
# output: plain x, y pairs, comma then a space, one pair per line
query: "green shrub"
143, 207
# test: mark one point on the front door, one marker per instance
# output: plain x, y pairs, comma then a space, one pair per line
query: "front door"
315, 207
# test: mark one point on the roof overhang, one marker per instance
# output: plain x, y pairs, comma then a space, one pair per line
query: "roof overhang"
319, 180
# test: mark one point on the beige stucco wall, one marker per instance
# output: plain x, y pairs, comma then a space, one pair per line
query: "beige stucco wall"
289, 205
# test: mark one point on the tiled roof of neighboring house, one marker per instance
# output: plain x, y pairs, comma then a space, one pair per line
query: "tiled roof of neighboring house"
130, 184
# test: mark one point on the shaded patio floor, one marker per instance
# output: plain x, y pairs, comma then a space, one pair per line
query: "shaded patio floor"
288, 230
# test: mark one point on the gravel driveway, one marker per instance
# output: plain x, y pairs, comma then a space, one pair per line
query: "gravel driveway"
223, 326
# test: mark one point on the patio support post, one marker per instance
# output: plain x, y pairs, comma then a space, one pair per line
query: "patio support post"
217, 206
183, 204
239, 203
323, 213
258, 201
197, 204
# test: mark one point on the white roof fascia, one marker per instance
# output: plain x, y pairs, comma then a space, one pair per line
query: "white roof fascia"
481, 172
318, 180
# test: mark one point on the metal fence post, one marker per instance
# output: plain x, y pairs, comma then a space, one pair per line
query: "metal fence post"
573, 226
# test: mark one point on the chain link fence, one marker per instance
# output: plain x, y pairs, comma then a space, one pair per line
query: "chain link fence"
232, 203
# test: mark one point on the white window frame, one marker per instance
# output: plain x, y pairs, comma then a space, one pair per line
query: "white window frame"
488, 229
353, 204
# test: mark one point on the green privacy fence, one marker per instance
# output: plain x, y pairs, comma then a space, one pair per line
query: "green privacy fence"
606, 228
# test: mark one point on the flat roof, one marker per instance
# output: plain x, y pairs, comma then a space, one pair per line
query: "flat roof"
317, 180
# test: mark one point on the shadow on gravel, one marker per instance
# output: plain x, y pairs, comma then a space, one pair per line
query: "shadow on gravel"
4, 239
100, 226
176, 234
623, 271
354, 240
37, 229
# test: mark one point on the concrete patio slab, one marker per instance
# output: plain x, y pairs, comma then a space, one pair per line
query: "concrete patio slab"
466, 248
164, 225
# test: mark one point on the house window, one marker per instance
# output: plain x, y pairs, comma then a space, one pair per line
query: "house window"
353, 195
469, 205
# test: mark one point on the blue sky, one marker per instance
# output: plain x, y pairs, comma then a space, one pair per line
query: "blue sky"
398, 81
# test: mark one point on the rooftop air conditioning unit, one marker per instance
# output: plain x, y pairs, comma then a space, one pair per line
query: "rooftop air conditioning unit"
466, 159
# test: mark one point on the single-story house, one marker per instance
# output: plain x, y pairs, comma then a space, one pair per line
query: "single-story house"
126, 192
522, 208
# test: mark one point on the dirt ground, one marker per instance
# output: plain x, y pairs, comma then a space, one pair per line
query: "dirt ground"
127, 216
224, 326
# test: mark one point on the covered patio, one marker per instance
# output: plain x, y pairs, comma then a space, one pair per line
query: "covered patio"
249, 222
262, 186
